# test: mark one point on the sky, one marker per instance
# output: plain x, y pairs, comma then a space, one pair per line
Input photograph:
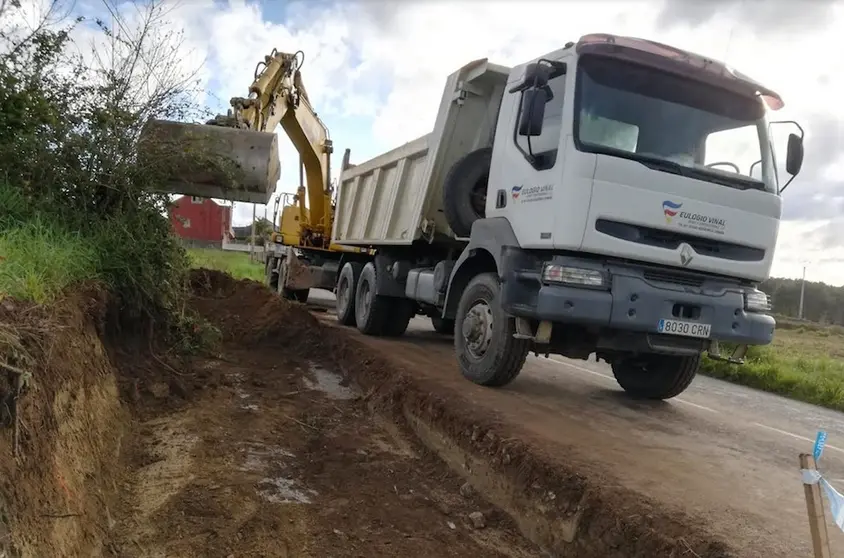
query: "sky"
374, 71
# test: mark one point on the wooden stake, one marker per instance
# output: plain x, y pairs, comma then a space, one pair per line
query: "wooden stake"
815, 508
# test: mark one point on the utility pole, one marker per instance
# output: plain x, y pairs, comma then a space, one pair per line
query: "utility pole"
802, 290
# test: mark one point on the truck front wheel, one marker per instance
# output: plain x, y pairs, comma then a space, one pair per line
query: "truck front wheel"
488, 353
655, 376
347, 285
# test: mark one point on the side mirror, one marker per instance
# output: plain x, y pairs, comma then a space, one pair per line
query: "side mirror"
794, 151
533, 112
794, 154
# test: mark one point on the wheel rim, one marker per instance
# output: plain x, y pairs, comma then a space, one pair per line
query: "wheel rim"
477, 329
343, 294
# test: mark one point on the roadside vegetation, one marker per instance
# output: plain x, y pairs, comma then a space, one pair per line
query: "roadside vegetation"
805, 362
236, 264
76, 202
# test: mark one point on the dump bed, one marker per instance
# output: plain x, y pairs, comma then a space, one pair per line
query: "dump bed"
396, 198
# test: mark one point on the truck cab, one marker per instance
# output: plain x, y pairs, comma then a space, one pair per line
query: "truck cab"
626, 205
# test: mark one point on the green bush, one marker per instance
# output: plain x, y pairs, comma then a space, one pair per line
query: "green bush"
75, 201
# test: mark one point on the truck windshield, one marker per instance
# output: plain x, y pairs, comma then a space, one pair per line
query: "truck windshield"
672, 124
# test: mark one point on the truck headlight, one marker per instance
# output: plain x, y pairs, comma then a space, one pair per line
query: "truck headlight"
757, 301
576, 276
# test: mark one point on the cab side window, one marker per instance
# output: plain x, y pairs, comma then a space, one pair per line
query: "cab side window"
541, 151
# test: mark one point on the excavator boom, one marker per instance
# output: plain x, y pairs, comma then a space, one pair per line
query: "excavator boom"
235, 156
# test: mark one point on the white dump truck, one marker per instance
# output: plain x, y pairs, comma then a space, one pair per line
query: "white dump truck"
616, 197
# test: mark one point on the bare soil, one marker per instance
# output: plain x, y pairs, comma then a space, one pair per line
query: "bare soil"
294, 440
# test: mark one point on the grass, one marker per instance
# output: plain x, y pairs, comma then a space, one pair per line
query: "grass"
39, 260
236, 264
805, 362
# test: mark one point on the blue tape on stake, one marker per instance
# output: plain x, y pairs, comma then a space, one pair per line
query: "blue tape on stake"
820, 442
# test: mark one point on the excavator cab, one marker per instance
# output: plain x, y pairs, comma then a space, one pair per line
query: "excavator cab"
290, 219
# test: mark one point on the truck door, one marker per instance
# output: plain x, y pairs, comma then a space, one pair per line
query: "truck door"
525, 171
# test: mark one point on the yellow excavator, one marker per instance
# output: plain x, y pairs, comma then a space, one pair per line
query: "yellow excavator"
235, 157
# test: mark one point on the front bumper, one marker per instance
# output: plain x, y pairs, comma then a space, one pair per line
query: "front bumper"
635, 300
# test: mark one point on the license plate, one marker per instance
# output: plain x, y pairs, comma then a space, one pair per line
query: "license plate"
686, 329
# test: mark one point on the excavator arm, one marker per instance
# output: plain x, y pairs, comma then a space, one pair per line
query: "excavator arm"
278, 97
245, 139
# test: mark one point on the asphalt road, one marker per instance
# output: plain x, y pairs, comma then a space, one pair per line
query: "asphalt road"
723, 453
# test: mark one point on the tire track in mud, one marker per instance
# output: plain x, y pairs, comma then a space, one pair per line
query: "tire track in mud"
283, 459
563, 507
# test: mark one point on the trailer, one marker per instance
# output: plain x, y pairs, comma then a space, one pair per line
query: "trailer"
576, 204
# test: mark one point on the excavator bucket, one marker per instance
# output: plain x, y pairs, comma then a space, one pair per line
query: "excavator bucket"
211, 161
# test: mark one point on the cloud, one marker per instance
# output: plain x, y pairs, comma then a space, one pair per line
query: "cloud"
763, 17
375, 69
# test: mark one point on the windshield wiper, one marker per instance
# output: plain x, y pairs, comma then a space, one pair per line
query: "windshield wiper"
679, 169
663, 165
650, 162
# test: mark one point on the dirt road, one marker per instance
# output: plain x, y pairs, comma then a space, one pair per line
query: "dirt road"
723, 453
300, 440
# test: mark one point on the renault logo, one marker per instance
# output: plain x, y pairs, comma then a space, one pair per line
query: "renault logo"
686, 255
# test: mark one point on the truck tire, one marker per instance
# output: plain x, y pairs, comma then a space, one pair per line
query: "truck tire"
442, 325
300, 295
347, 284
464, 190
487, 352
371, 310
655, 376
401, 312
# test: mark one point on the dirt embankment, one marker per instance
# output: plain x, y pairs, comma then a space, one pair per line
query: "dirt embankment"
57, 486
294, 440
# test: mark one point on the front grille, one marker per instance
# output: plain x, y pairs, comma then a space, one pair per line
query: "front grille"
664, 276
672, 240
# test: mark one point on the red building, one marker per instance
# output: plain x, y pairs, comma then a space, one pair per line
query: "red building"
201, 220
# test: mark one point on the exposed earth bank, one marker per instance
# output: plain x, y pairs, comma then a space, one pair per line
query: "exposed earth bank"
293, 440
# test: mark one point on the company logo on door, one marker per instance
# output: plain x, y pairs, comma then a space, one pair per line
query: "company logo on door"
532, 193
692, 221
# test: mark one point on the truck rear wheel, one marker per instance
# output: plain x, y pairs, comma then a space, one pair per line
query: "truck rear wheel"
488, 353
442, 325
370, 309
464, 190
347, 284
655, 376
401, 312
300, 295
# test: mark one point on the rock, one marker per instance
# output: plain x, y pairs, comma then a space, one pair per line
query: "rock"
451, 525
466, 490
477, 519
